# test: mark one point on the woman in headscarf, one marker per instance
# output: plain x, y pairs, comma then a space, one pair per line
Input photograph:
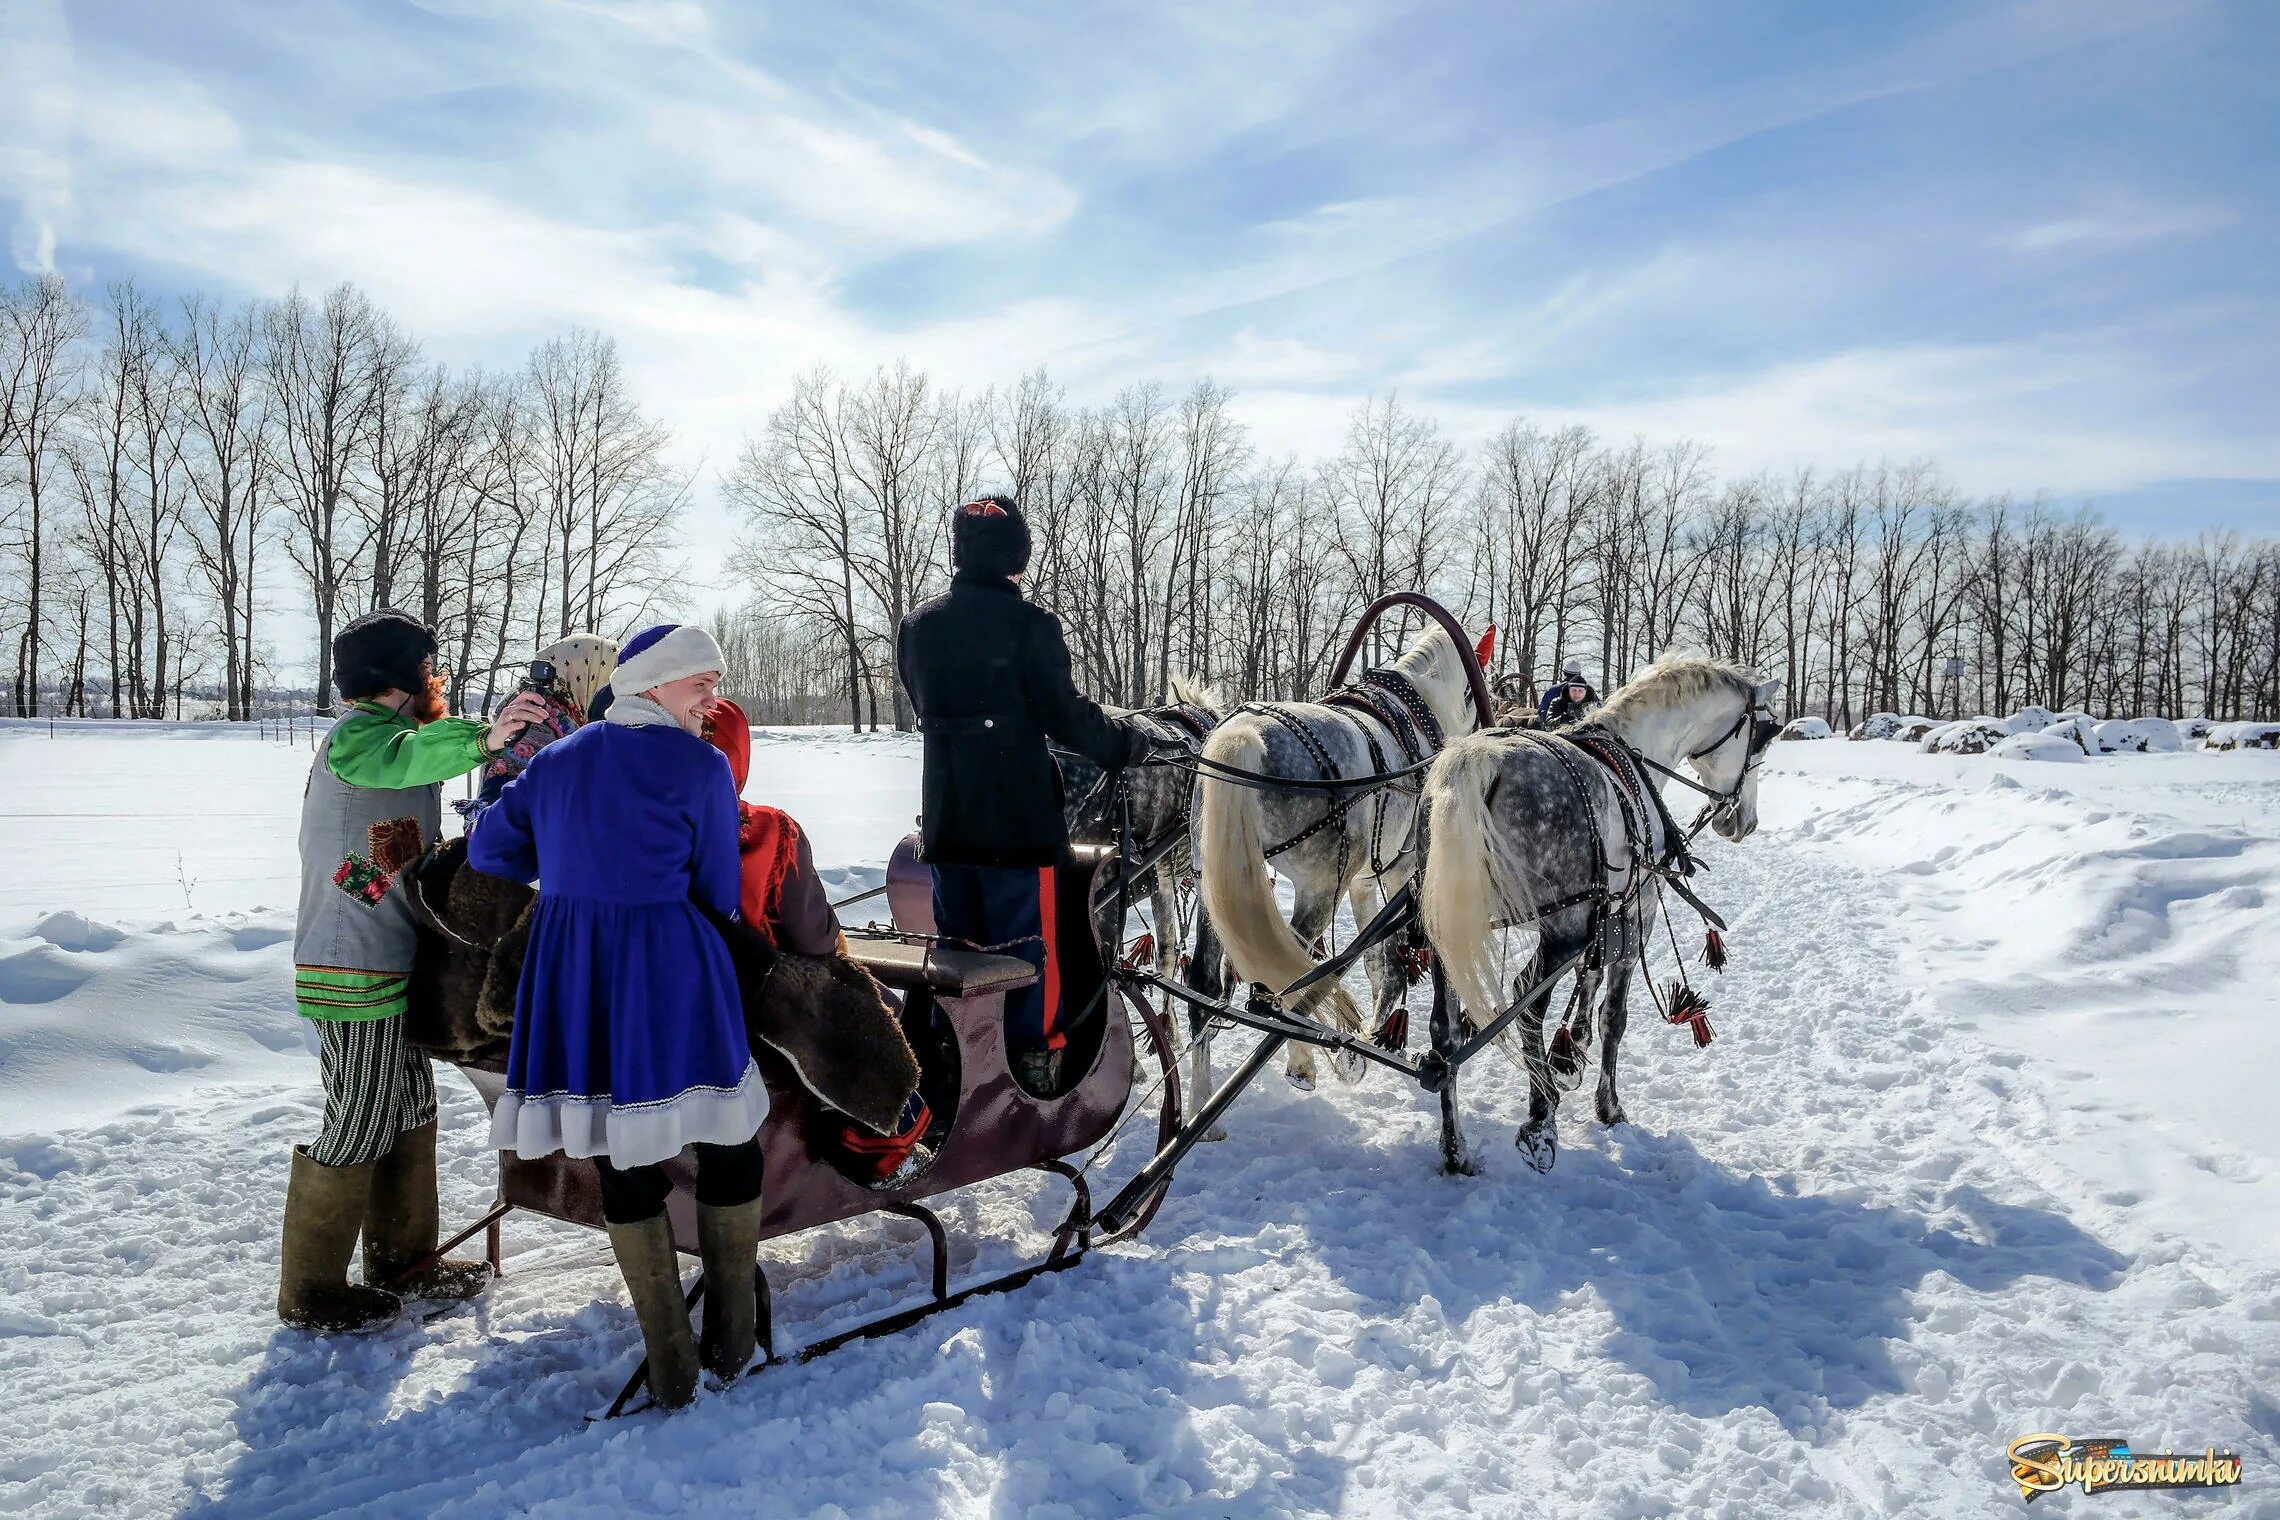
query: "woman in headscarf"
629, 1038
784, 899
583, 663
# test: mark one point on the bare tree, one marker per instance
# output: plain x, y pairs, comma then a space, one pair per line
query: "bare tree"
229, 460
40, 326
322, 379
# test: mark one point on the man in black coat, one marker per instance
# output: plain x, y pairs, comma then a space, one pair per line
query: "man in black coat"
989, 674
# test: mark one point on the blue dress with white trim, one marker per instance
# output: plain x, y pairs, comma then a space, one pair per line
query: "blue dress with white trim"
629, 1031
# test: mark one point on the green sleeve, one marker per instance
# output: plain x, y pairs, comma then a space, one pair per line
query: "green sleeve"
390, 756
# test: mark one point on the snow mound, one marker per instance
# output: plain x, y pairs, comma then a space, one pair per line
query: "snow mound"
2140, 736
2193, 730
1806, 728
96, 1021
1876, 726
2080, 730
2243, 736
1912, 730
1973, 736
2032, 720
2037, 747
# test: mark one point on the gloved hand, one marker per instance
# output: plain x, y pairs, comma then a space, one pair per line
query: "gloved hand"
1152, 741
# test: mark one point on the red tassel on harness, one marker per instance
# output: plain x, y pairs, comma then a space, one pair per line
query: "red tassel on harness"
1143, 952
1485, 650
1687, 1007
1416, 961
1713, 950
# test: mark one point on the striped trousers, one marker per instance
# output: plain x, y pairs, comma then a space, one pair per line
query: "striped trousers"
376, 1087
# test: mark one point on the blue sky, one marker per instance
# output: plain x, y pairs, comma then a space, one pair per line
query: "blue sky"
2033, 241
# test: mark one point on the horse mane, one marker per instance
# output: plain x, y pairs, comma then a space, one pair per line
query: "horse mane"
1672, 680
1435, 664
1189, 691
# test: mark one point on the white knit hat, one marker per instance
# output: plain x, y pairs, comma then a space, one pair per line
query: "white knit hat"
664, 653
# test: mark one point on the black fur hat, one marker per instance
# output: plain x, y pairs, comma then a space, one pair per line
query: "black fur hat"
989, 537
379, 651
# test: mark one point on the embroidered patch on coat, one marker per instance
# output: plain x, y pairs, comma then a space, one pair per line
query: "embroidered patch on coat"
394, 844
363, 880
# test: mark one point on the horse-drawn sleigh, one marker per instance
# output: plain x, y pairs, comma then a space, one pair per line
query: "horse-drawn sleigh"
1398, 794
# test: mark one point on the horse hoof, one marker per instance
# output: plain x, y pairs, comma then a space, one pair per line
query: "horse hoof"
1303, 1081
1216, 1132
1612, 1115
1459, 1166
1539, 1144
1348, 1067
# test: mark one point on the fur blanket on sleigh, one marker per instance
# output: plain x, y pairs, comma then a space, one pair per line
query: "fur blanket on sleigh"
823, 1016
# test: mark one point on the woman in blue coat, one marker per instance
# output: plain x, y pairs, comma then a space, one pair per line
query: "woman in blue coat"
629, 1039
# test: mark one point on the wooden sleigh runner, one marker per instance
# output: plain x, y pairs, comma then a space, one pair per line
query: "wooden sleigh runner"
950, 1001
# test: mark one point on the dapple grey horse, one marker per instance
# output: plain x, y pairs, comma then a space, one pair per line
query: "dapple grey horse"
1529, 829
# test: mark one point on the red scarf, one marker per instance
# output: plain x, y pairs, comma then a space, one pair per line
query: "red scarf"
766, 837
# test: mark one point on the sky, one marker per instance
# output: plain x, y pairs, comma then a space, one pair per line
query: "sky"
2032, 241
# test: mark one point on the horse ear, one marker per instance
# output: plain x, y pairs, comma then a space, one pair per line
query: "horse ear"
1766, 692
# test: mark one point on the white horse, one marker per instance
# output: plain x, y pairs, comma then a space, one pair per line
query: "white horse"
1360, 844
1555, 832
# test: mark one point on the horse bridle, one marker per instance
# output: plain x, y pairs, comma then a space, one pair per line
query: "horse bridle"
1721, 804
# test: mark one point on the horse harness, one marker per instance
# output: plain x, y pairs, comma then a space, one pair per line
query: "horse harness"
1394, 701
1638, 799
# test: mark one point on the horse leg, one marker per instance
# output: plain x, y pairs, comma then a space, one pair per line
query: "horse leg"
1614, 1015
1164, 905
1456, 1155
1315, 908
1389, 988
1539, 1138
1207, 976
1565, 1053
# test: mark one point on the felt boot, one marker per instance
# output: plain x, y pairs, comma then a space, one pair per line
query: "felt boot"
653, 1281
400, 1224
324, 1210
729, 1239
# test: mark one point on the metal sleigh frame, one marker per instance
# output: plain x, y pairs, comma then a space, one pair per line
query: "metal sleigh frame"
998, 1128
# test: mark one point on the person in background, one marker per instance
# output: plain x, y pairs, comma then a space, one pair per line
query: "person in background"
582, 664
1570, 699
989, 675
784, 899
373, 802
629, 1039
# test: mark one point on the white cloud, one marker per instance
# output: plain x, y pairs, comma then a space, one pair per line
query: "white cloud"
891, 181
2114, 227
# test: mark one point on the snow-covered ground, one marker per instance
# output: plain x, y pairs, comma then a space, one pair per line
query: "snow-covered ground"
1982, 1149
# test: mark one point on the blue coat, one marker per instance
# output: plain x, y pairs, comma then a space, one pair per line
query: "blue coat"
629, 1032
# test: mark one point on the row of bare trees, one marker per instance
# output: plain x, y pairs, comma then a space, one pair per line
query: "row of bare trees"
177, 481
1169, 544
172, 477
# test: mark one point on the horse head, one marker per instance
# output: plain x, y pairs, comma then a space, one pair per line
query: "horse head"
1717, 718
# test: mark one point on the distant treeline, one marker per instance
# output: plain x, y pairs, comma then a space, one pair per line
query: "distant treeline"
1169, 544
167, 473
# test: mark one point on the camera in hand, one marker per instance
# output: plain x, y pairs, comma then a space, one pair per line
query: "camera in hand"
541, 677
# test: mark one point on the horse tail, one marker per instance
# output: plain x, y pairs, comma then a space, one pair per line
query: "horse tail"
1238, 887
1465, 893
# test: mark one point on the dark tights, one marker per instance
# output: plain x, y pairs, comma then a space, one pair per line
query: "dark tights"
727, 1175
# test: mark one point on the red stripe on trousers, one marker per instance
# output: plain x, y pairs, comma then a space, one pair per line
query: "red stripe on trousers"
1046, 909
